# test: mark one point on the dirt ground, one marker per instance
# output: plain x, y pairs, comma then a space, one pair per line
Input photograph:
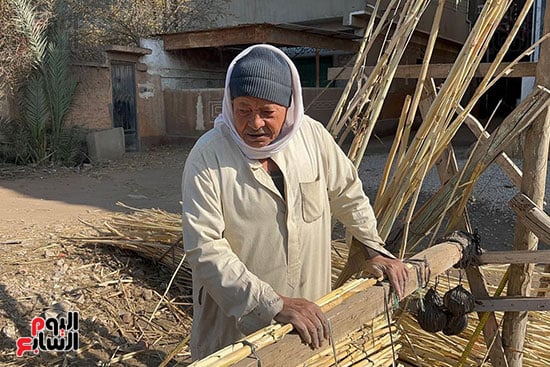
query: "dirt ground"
115, 292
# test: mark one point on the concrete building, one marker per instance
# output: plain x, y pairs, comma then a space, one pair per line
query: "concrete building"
171, 86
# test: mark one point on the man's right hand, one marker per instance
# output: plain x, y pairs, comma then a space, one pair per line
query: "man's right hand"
307, 318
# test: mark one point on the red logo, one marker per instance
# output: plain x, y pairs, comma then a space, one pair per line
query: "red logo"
51, 334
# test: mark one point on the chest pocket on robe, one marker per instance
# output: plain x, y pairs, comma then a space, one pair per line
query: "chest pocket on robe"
312, 199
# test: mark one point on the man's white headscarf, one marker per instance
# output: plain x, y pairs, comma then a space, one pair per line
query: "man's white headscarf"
294, 116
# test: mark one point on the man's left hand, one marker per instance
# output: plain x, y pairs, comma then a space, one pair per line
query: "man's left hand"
395, 270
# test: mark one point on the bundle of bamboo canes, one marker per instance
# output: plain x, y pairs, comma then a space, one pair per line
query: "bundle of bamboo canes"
363, 108
409, 162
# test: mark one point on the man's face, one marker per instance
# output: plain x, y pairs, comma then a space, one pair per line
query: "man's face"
258, 121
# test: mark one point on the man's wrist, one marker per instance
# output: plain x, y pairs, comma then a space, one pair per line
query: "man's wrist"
263, 314
371, 253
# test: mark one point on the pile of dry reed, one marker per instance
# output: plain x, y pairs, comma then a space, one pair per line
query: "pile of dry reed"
151, 233
369, 345
424, 349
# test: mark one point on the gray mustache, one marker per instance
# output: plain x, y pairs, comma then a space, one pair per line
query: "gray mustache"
256, 132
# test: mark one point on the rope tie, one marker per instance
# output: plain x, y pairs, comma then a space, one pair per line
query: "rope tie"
388, 319
471, 247
253, 347
422, 270
331, 340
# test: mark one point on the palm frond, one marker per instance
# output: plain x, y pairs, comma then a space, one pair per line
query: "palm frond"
33, 28
59, 85
36, 115
13, 142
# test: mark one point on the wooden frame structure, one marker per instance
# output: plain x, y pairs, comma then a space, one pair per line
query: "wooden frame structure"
363, 304
437, 71
248, 34
532, 223
532, 218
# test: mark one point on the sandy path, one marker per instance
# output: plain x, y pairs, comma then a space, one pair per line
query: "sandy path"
58, 198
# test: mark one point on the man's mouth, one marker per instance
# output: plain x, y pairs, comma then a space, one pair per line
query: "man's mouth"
256, 134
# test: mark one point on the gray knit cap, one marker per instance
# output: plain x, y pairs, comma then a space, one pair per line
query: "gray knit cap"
262, 74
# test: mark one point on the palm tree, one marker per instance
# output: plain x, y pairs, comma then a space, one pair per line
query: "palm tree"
49, 91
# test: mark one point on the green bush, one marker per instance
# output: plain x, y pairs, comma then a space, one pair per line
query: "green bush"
15, 145
14, 139
71, 149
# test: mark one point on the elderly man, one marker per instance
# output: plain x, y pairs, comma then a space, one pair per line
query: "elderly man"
259, 191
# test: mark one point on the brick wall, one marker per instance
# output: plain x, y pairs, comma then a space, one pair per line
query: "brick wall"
91, 107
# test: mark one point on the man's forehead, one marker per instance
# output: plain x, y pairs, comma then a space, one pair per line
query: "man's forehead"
255, 102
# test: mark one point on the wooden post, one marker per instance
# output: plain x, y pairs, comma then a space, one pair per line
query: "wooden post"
317, 69
535, 161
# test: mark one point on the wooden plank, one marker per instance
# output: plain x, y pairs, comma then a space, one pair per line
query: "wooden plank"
437, 71
508, 304
290, 37
535, 163
128, 50
508, 167
360, 308
531, 216
515, 257
210, 38
255, 33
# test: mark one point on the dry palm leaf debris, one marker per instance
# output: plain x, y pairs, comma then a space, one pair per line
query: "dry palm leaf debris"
152, 233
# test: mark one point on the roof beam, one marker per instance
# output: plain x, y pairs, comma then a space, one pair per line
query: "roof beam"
252, 34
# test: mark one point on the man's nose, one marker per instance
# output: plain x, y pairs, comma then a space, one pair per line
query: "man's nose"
256, 122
